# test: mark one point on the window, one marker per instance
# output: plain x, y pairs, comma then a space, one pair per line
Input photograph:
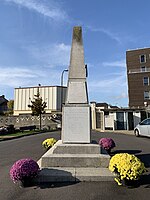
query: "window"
142, 58
143, 69
145, 122
146, 81
146, 95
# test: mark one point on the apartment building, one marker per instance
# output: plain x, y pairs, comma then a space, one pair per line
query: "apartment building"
138, 74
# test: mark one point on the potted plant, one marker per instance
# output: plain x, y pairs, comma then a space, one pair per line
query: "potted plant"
107, 144
48, 143
23, 171
128, 168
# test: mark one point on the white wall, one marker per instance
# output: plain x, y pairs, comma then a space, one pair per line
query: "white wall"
24, 96
136, 118
109, 120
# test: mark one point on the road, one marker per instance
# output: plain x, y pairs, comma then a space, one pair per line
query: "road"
30, 146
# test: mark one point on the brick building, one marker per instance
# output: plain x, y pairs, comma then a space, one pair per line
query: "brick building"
138, 74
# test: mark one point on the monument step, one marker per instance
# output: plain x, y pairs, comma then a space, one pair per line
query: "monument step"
75, 160
60, 147
74, 175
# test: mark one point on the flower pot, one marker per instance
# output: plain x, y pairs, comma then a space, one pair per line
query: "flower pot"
26, 182
130, 183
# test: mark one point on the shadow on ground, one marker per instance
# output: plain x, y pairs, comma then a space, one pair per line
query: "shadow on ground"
126, 151
52, 178
145, 158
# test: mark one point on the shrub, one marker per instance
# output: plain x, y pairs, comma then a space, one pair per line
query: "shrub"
48, 143
24, 168
126, 166
107, 143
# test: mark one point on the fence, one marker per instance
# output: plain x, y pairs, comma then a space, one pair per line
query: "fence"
27, 120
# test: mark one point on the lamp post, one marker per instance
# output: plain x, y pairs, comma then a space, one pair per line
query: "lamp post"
62, 79
146, 105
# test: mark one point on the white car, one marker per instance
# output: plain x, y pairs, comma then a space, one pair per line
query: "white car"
143, 128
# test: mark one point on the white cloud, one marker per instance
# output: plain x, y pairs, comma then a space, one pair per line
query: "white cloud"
111, 89
51, 56
121, 63
21, 76
122, 95
109, 33
108, 84
52, 11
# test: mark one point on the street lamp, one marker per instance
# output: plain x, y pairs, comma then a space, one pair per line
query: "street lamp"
146, 105
62, 77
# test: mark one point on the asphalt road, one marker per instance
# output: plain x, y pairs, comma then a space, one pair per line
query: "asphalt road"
30, 146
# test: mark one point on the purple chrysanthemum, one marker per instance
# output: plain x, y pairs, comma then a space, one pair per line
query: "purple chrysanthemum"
23, 168
107, 143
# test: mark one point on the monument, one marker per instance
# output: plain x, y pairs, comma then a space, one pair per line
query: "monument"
74, 157
76, 111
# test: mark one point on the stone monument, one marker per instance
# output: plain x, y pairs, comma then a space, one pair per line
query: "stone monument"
76, 111
74, 157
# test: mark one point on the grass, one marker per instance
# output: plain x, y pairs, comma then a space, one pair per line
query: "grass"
17, 134
24, 133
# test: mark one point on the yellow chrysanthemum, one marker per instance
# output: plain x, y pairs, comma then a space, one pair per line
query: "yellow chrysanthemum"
48, 143
126, 166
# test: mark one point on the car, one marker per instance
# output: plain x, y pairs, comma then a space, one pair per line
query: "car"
143, 128
59, 126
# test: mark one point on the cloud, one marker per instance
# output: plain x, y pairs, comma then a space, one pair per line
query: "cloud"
110, 34
51, 56
121, 63
21, 76
122, 95
110, 88
108, 84
52, 11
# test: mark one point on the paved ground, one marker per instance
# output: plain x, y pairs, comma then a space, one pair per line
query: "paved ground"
12, 150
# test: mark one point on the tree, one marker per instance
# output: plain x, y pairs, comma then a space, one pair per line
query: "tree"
38, 106
10, 106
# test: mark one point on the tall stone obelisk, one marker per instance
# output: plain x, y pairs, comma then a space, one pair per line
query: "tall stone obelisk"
76, 111
74, 158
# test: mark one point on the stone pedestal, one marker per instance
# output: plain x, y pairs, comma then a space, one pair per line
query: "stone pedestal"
74, 162
76, 124
77, 155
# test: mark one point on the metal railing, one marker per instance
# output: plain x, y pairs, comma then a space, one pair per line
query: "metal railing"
138, 70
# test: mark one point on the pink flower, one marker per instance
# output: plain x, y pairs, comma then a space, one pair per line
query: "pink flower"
24, 168
107, 143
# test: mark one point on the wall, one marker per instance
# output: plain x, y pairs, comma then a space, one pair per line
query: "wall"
26, 120
50, 94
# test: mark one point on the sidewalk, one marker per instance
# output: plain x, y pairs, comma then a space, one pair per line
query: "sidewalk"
117, 131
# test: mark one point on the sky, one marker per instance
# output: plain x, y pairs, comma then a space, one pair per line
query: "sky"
36, 36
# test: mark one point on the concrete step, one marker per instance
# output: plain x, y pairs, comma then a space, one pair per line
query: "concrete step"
58, 174
75, 160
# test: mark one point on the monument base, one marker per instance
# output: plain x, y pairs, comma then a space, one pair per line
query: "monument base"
76, 123
74, 162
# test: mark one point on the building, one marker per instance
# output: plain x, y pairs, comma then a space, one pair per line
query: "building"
138, 74
107, 117
3, 104
54, 96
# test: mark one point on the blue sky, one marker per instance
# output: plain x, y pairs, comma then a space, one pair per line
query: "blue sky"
35, 41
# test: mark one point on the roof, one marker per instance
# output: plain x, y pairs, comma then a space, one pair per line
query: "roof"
144, 48
41, 86
102, 105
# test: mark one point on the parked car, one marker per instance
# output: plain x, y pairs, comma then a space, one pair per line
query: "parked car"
59, 126
143, 128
